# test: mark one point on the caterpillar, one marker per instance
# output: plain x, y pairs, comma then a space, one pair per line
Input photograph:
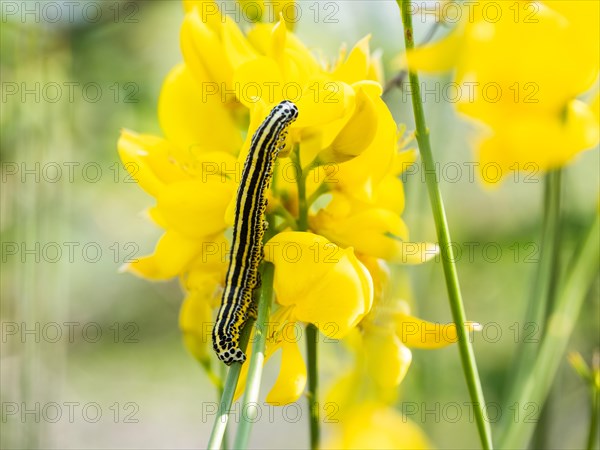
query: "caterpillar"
248, 231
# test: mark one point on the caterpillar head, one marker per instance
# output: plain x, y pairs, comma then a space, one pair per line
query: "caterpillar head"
287, 111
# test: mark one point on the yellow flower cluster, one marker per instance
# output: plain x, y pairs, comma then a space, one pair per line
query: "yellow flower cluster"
335, 203
521, 68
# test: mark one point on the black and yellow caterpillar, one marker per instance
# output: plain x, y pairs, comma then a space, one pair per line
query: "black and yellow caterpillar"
248, 231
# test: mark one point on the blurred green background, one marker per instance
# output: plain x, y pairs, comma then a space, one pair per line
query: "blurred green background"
70, 219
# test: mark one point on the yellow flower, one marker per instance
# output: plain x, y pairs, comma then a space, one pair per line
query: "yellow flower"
195, 322
315, 282
510, 73
209, 109
388, 333
371, 223
308, 269
364, 395
382, 341
374, 425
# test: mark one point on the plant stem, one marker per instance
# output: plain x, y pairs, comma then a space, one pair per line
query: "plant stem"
301, 182
595, 418
311, 331
220, 390
541, 298
322, 189
217, 435
288, 219
257, 359
571, 295
446, 249
312, 334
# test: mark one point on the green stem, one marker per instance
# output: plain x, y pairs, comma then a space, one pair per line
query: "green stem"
322, 189
541, 297
446, 249
257, 359
220, 390
595, 419
312, 334
571, 295
311, 331
301, 182
217, 435
288, 219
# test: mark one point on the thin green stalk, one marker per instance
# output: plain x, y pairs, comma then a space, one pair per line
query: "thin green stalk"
595, 418
571, 295
541, 301
301, 182
446, 249
311, 331
217, 435
544, 284
322, 189
257, 358
220, 390
312, 334
288, 219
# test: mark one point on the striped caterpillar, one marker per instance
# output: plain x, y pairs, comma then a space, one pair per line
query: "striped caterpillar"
248, 231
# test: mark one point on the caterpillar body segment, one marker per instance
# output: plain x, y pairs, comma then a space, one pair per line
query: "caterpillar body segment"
248, 231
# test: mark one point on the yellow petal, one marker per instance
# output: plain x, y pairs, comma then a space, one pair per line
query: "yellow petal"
309, 269
260, 37
373, 425
204, 54
403, 160
154, 214
357, 134
538, 142
518, 63
356, 67
376, 70
149, 160
236, 45
360, 176
208, 269
192, 118
292, 376
195, 321
259, 79
344, 392
418, 333
440, 56
323, 101
253, 10
171, 256
278, 41
195, 208
270, 350
388, 359
376, 232
206, 7
286, 9
390, 195
219, 165
380, 273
